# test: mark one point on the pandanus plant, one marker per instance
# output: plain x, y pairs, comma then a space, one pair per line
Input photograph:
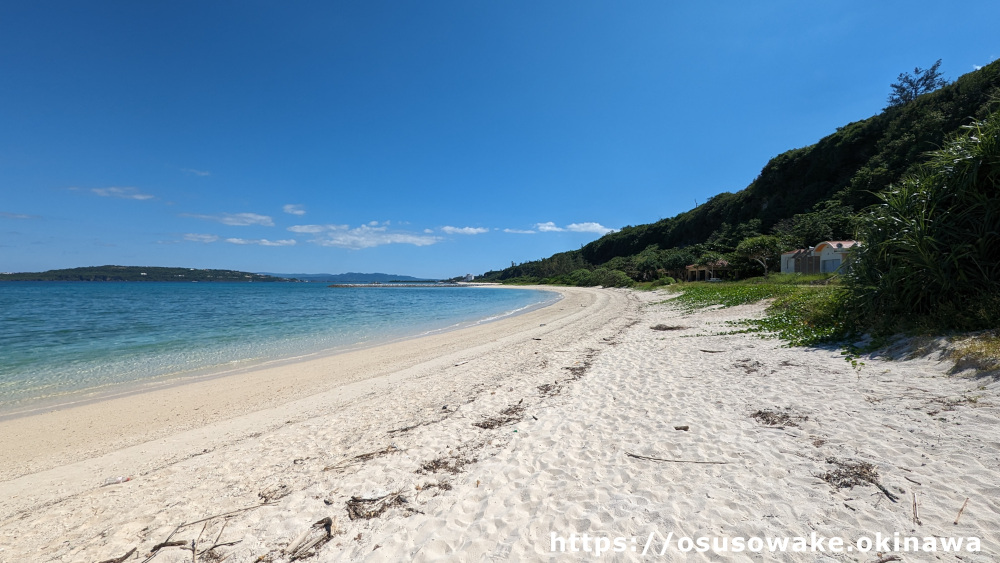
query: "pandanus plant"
931, 249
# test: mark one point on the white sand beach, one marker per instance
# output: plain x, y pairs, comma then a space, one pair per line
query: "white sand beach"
480, 444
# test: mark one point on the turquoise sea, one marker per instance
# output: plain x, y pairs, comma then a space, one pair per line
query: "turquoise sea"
60, 340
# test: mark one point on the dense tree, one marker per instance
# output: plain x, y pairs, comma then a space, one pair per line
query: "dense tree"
676, 260
556, 265
831, 221
726, 237
601, 276
764, 250
909, 86
649, 263
627, 264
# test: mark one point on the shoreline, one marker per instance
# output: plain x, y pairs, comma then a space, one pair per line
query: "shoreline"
43, 440
484, 443
111, 391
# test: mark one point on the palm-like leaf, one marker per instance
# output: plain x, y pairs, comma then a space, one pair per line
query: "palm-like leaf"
931, 252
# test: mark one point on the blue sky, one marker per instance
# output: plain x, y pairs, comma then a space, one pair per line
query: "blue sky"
424, 138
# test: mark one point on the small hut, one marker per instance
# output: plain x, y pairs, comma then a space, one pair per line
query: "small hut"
708, 271
826, 257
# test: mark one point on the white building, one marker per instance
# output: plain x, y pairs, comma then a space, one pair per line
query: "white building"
825, 258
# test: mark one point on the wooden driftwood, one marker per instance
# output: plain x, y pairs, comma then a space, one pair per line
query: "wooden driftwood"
961, 510
192, 545
303, 546
161, 545
120, 559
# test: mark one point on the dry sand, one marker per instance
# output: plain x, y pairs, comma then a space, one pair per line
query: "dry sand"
482, 442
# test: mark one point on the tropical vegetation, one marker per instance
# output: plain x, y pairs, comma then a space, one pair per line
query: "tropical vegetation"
916, 184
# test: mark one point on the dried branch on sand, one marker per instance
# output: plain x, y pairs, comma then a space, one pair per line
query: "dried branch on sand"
359, 508
851, 473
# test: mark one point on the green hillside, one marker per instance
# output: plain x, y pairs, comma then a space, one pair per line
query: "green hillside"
139, 273
802, 196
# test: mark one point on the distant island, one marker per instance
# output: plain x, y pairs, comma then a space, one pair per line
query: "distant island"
350, 277
141, 274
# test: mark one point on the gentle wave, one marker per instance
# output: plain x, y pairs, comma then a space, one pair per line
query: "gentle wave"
58, 340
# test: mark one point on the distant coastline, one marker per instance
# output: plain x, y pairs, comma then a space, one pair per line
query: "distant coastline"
140, 274
112, 273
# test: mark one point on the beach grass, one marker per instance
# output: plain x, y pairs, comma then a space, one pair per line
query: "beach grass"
694, 296
805, 316
800, 313
980, 351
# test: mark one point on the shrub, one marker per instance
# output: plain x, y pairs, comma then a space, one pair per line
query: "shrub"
662, 282
581, 278
611, 278
931, 252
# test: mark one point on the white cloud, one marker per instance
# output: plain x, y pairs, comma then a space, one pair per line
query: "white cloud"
548, 227
198, 237
364, 236
196, 172
368, 236
294, 209
464, 230
519, 231
977, 67
236, 219
6, 215
589, 228
316, 228
262, 241
122, 193
195, 237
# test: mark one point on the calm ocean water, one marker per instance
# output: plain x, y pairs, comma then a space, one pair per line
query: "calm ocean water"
58, 339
